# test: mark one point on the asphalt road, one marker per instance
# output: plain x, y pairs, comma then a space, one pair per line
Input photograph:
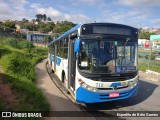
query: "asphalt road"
147, 99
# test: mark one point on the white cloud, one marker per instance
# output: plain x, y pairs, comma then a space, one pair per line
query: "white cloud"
18, 3
58, 15
16, 10
138, 2
12, 9
4, 8
89, 3
49, 11
156, 22
133, 17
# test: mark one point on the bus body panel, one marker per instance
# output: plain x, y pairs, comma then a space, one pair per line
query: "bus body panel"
61, 65
85, 96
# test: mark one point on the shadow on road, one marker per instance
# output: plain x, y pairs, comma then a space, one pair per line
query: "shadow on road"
145, 90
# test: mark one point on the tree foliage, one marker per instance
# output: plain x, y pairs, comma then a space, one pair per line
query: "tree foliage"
145, 35
7, 25
41, 17
63, 26
44, 24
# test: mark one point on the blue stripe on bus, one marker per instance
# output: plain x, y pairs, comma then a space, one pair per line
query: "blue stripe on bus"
115, 84
52, 58
59, 61
85, 96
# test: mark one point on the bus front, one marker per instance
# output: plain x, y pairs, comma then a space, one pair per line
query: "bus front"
107, 63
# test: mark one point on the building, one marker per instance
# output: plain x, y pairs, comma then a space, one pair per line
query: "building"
36, 37
144, 43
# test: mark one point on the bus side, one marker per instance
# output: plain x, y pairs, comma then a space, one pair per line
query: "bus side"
57, 57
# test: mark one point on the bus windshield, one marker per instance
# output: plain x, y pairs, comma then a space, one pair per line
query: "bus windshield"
106, 56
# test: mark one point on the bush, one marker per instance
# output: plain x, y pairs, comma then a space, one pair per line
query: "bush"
153, 56
4, 51
19, 64
12, 42
18, 67
25, 44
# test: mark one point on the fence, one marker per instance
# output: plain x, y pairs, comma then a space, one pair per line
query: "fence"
146, 60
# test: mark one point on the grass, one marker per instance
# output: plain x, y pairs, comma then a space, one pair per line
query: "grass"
18, 66
154, 66
143, 61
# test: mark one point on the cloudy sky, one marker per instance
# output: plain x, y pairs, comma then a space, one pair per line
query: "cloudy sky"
137, 13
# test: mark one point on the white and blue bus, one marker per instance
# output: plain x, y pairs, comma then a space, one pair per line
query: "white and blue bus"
97, 62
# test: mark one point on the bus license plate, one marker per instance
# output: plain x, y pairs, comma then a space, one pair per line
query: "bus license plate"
116, 94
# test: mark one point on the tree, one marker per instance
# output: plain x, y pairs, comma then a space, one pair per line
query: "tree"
145, 35
24, 20
49, 19
27, 25
47, 40
62, 28
9, 24
44, 17
45, 27
39, 17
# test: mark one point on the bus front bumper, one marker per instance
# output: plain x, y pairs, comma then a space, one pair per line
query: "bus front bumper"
85, 96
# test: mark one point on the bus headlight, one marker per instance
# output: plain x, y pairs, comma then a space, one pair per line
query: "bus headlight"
87, 87
133, 83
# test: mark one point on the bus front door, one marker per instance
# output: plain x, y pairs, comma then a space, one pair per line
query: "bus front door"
71, 66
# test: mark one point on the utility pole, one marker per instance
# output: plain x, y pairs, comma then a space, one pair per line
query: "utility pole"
149, 60
35, 23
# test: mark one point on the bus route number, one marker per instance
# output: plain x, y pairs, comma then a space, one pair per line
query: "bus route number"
99, 85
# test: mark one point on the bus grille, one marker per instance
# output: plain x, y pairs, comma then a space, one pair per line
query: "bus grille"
116, 78
111, 88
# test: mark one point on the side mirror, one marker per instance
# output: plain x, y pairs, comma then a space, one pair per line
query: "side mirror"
77, 45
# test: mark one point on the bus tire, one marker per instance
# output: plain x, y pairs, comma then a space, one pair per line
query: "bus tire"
65, 82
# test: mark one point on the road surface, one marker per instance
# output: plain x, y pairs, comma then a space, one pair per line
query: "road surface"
148, 99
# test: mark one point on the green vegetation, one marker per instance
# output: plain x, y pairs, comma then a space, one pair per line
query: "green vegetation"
145, 35
143, 58
8, 25
154, 66
41, 23
17, 59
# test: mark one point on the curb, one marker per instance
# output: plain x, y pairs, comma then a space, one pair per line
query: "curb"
152, 72
149, 75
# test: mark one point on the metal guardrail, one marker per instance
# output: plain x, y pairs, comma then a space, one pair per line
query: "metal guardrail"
7, 33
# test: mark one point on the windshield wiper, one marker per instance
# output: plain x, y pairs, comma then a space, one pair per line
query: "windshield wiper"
126, 41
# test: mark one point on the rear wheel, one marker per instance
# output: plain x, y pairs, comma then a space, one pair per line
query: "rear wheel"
65, 83
52, 71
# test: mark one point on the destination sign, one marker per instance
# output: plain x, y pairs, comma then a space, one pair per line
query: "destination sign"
89, 29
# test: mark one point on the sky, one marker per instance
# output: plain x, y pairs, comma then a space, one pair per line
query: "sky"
136, 13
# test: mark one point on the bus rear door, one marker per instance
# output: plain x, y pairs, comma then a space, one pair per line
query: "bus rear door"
71, 66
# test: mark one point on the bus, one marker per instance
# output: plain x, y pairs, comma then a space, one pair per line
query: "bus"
97, 62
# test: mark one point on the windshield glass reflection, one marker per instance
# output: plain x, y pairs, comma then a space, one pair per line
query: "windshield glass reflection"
104, 56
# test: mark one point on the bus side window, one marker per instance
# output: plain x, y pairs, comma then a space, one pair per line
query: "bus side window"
50, 49
52, 46
65, 42
58, 48
61, 48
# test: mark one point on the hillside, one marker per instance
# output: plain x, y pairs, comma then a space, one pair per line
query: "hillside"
18, 77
